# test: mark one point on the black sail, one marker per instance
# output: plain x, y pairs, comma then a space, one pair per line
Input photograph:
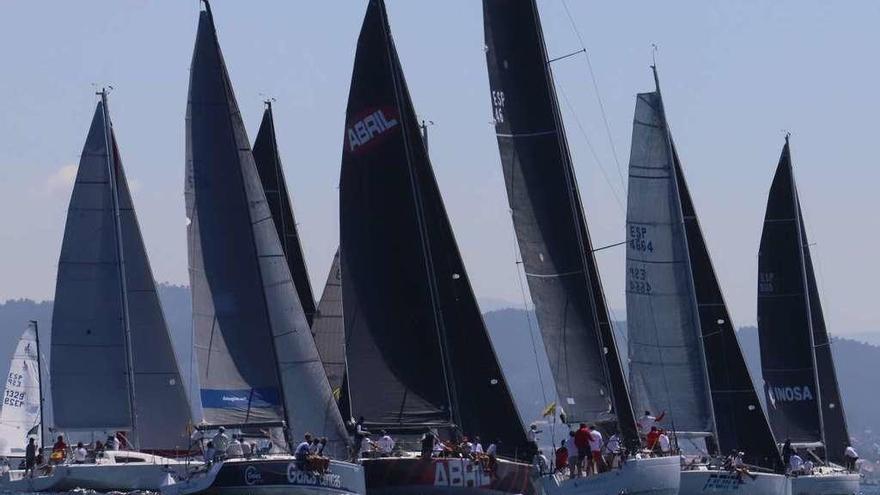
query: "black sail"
418, 350
549, 220
268, 162
784, 320
740, 422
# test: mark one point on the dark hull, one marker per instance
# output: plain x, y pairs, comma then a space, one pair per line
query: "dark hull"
416, 476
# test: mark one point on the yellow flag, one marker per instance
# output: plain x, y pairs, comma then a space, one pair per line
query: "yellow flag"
337, 393
549, 410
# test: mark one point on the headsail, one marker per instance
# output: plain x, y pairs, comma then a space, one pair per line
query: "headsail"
549, 220
418, 350
707, 364
268, 162
257, 358
329, 328
801, 384
107, 313
20, 413
667, 362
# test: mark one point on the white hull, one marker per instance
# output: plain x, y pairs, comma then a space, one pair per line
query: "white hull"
830, 483
99, 477
705, 481
649, 476
274, 475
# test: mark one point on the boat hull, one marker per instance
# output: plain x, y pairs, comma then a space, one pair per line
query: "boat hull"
414, 475
834, 483
270, 476
98, 477
649, 476
704, 481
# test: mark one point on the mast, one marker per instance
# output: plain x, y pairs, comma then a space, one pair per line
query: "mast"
796, 207
39, 379
123, 288
692, 292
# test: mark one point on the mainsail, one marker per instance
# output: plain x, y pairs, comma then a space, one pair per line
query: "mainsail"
418, 350
800, 380
20, 416
684, 353
268, 162
257, 358
110, 342
549, 220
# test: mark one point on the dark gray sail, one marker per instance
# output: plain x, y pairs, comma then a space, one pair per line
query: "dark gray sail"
662, 222
417, 349
329, 328
549, 220
257, 358
803, 394
268, 162
667, 363
93, 307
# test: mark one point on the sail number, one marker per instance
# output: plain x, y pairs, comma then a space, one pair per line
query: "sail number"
638, 239
14, 398
14, 380
638, 281
498, 106
766, 282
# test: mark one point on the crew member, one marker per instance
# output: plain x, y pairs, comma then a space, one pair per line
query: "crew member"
80, 454
561, 458
663, 442
30, 457
648, 421
582, 444
221, 441
386, 444
302, 452
851, 457
596, 449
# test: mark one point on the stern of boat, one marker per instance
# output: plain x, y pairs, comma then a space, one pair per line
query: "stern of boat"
647, 476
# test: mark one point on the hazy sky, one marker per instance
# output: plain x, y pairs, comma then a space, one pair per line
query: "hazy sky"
734, 76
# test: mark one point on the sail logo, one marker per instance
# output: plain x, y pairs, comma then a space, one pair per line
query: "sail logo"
460, 473
790, 394
368, 129
766, 282
252, 476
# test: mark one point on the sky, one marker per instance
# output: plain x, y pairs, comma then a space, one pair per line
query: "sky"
735, 77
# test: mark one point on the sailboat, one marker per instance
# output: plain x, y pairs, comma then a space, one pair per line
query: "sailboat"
113, 368
418, 353
803, 398
685, 359
258, 365
21, 415
557, 255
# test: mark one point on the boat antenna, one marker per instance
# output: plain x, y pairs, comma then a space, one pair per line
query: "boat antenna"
33, 324
424, 127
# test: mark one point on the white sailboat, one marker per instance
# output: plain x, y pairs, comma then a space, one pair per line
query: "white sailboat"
684, 355
113, 369
557, 253
21, 413
259, 368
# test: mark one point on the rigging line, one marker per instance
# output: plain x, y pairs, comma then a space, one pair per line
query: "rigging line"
583, 131
598, 94
621, 243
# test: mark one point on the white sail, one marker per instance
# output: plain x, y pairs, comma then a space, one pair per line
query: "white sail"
20, 413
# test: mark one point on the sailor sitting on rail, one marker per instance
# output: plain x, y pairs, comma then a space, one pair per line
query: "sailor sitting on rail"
302, 452
367, 447
234, 450
386, 444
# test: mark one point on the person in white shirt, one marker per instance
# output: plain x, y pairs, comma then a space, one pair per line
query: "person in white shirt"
596, 449
367, 446
386, 444
610, 450
647, 421
808, 467
491, 453
246, 449
80, 454
221, 441
112, 443
663, 441
540, 462
851, 457
233, 450
795, 464
478, 447
532, 437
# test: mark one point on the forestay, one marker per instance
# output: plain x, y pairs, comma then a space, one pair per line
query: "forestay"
418, 351
257, 358
548, 218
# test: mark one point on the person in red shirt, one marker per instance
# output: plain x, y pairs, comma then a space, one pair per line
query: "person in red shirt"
561, 458
652, 438
582, 444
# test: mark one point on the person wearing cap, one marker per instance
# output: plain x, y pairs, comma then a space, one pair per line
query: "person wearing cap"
648, 421
302, 451
221, 442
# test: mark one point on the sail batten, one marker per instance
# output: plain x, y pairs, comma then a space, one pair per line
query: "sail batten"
257, 358
417, 350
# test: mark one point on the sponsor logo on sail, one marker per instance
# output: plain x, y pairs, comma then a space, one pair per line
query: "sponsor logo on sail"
368, 129
791, 394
